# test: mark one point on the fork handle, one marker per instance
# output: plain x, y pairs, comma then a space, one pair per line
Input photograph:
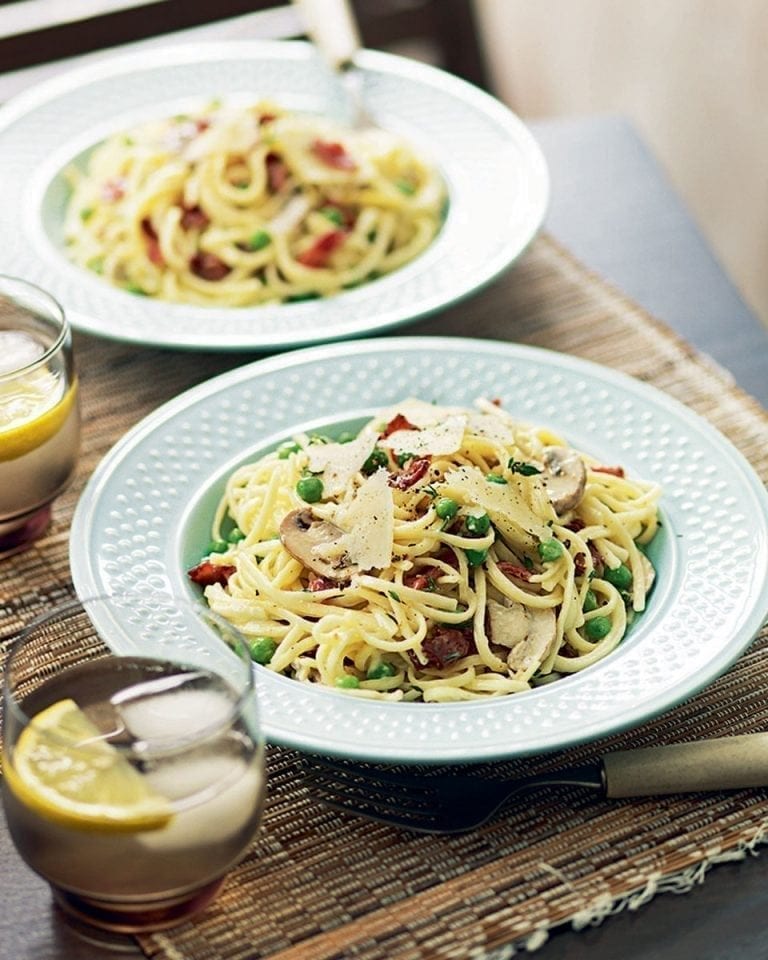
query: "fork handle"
728, 763
331, 25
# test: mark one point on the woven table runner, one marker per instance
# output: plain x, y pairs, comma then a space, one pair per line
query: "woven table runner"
318, 885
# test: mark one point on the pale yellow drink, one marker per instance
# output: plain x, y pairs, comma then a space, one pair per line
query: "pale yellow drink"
183, 803
39, 412
133, 765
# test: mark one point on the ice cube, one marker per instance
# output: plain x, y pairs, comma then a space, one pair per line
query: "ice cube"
174, 707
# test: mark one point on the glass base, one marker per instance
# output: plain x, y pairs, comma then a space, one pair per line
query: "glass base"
21, 532
130, 917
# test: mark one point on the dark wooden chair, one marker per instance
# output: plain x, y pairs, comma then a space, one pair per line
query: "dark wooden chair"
33, 33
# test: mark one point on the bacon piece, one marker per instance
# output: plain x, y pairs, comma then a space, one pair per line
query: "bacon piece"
398, 422
580, 564
423, 578
194, 218
207, 573
317, 255
208, 266
277, 172
614, 471
513, 572
412, 474
153, 244
446, 555
333, 154
575, 525
444, 646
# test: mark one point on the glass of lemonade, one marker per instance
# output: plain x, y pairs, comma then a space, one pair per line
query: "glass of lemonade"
133, 781
39, 415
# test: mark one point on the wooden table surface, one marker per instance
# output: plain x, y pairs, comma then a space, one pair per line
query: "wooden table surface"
613, 208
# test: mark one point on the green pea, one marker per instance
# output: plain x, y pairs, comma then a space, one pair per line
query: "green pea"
590, 601
406, 187
478, 526
86, 213
235, 535
259, 240
597, 627
286, 449
310, 489
377, 459
347, 682
446, 508
620, 577
550, 550
475, 557
218, 546
381, 670
334, 215
262, 649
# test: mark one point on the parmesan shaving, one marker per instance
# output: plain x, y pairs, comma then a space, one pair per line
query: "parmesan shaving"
369, 524
340, 462
440, 439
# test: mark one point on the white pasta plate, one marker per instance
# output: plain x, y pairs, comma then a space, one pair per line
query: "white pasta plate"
496, 177
145, 516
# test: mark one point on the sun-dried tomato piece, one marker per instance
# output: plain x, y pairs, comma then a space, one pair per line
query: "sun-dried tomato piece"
333, 154
398, 422
412, 474
614, 471
317, 255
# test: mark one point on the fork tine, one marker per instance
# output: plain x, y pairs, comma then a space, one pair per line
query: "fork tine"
411, 783
391, 817
370, 789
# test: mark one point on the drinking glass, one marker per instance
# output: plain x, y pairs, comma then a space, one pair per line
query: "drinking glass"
133, 780
39, 412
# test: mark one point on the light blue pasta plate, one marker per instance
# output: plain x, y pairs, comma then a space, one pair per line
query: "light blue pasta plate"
496, 176
145, 516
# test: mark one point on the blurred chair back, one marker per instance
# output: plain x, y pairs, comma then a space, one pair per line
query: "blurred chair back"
36, 32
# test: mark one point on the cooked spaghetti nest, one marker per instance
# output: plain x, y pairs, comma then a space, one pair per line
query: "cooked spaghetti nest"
234, 206
442, 554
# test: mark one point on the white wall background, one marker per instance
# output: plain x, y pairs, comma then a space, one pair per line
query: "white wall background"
691, 74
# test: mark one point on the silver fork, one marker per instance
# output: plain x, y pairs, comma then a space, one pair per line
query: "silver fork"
457, 802
332, 27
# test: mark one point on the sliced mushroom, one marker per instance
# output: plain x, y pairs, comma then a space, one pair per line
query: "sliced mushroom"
315, 544
565, 478
529, 632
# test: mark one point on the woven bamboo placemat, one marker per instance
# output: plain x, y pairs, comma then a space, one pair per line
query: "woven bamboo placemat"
321, 886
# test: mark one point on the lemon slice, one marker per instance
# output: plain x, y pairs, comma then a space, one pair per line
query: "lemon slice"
28, 417
65, 772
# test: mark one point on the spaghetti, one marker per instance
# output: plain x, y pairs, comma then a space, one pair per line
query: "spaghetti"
235, 206
442, 554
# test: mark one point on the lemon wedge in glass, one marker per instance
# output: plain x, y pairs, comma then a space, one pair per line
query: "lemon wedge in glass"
32, 410
62, 769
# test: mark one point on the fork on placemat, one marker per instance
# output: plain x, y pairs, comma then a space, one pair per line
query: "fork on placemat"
455, 802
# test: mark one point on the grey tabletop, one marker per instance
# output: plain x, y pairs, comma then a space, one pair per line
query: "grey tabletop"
615, 210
